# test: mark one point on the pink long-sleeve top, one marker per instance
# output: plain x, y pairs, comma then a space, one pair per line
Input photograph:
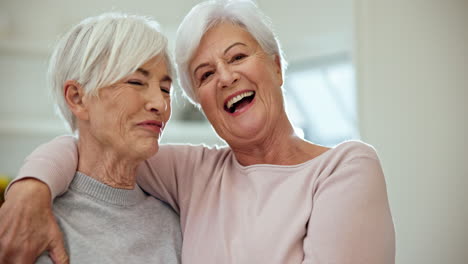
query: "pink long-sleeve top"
331, 209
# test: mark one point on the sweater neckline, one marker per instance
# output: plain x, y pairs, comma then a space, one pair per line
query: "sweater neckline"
95, 189
288, 167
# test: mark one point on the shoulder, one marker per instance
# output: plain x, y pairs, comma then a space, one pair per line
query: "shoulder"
349, 155
353, 163
353, 150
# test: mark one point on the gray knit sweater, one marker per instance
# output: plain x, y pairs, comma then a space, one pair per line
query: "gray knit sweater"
102, 224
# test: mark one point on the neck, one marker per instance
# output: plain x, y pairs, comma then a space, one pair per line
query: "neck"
105, 164
279, 147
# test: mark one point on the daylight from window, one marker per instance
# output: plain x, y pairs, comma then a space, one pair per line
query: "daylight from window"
321, 101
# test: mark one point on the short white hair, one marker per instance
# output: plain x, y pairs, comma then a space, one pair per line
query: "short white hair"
100, 51
207, 14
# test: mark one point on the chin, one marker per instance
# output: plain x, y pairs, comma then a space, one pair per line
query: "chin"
252, 125
147, 149
248, 133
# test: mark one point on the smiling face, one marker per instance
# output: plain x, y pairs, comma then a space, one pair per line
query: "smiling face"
238, 85
129, 116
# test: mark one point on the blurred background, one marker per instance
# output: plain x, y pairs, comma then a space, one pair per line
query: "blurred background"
391, 73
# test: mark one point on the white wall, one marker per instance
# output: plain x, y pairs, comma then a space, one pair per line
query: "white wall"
412, 71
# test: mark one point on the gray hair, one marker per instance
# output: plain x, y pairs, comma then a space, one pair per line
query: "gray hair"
207, 14
100, 51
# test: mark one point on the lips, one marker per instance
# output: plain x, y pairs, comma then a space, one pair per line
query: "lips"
152, 125
237, 102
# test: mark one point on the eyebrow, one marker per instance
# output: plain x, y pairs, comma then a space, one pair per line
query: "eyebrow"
143, 71
224, 53
166, 78
200, 66
235, 44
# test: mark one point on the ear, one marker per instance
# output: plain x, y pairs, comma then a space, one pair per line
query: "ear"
278, 68
74, 96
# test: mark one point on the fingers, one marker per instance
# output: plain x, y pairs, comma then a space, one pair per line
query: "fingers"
57, 251
56, 247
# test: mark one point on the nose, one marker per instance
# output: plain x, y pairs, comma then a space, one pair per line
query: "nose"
155, 100
227, 77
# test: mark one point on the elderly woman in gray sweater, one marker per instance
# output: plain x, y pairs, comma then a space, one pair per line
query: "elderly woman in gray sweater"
114, 92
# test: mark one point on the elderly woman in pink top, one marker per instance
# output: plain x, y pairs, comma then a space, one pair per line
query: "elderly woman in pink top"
270, 196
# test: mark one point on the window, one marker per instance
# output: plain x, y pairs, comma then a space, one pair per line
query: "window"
321, 100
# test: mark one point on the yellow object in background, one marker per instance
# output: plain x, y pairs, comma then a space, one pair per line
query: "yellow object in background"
4, 180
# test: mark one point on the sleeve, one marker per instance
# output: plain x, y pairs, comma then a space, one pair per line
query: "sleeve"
351, 220
168, 175
53, 163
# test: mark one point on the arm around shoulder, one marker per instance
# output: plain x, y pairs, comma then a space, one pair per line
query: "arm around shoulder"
170, 174
53, 163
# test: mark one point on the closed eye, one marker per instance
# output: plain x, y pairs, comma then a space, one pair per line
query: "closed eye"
165, 90
135, 82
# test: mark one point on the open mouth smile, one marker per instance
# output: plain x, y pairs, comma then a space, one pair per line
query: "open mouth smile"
238, 101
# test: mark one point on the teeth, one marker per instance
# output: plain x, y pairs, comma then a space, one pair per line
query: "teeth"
237, 98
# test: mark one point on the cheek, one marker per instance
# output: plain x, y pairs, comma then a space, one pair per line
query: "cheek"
271, 83
109, 118
208, 106
118, 111
169, 109
206, 98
